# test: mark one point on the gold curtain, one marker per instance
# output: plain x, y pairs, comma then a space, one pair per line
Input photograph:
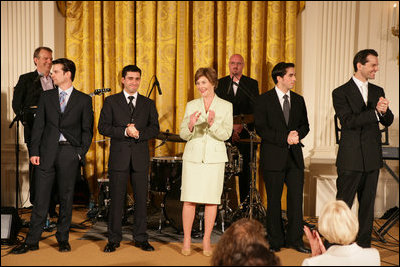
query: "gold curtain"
172, 39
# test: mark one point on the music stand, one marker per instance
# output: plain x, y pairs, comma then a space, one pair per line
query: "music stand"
16, 119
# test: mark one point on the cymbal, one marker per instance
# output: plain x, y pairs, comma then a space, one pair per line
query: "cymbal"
243, 118
169, 137
256, 140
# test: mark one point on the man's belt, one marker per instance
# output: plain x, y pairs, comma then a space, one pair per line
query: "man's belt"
64, 143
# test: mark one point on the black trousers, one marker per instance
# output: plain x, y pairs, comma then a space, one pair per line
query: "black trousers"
293, 177
64, 169
364, 184
118, 185
54, 191
28, 125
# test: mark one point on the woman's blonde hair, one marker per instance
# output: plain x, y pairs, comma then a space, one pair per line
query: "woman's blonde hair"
337, 223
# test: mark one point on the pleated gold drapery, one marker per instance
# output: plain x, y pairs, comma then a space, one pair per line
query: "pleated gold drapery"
172, 39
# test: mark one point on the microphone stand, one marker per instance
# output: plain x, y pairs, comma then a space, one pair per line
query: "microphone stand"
152, 88
16, 119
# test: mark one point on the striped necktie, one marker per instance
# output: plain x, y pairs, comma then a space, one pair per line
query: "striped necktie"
63, 102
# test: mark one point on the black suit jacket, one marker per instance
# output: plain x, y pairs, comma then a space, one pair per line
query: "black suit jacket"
76, 124
271, 127
26, 94
242, 102
114, 118
27, 91
360, 146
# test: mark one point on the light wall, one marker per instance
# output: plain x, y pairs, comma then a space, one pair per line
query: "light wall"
25, 25
330, 33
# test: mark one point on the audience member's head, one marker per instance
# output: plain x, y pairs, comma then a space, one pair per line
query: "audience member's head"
337, 223
255, 254
242, 244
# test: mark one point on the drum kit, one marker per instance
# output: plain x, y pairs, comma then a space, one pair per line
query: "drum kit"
165, 183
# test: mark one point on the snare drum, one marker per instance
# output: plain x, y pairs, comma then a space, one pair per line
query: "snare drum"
165, 171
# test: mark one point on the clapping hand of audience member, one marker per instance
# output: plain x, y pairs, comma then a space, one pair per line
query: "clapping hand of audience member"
316, 244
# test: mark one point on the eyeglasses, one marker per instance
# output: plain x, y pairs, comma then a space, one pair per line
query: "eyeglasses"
236, 63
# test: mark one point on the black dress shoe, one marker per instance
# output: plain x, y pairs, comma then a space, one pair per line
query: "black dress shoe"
64, 246
144, 245
273, 249
111, 246
302, 249
23, 248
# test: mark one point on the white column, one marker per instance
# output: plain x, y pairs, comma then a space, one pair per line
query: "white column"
25, 25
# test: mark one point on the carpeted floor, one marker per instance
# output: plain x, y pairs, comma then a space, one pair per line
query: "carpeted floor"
88, 243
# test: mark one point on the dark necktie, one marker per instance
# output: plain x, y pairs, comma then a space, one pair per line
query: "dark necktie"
286, 108
130, 104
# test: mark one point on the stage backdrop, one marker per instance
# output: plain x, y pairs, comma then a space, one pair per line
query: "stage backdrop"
172, 39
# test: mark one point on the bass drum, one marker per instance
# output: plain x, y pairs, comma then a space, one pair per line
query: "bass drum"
173, 207
164, 171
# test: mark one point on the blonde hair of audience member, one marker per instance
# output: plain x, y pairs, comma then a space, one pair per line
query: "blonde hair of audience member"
337, 223
237, 238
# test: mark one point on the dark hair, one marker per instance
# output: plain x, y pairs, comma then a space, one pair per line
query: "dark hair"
209, 73
40, 48
255, 254
236, 239
68, 65
131, 68
280, 70
361, 57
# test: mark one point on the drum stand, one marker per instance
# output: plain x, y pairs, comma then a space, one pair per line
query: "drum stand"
252, 206
224, 210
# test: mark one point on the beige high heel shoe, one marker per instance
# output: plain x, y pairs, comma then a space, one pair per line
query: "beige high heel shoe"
207, 253
186, 252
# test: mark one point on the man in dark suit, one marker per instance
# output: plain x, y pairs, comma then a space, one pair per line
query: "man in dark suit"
61, 136
360, 107
25, 101
241, 91
281, 122
131, 120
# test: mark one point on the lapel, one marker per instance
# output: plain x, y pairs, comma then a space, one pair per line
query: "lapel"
242, 83
293, 105
139, 105
355, 93
55, 99
121, 100
73, 98
279, 107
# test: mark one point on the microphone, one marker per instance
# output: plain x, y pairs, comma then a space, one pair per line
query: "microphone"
158, 85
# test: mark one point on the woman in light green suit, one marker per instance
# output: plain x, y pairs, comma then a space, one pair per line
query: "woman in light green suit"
207, 124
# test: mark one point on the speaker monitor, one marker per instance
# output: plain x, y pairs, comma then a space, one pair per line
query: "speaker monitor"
10, 225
